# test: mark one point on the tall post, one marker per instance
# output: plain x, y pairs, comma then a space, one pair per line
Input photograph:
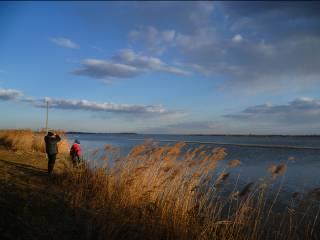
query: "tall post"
47, 116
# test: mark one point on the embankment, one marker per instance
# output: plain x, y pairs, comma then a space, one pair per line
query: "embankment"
155, 192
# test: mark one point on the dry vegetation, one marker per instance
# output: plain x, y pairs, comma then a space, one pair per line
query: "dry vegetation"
173, 192
170, 192
28, 140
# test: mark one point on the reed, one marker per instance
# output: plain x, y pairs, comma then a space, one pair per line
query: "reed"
169, 192
29, 141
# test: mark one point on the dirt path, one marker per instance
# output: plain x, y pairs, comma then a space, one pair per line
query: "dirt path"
31, 203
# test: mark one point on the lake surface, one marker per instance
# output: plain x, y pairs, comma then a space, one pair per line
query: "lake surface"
256, 154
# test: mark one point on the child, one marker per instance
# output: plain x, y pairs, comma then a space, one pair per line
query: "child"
75, 152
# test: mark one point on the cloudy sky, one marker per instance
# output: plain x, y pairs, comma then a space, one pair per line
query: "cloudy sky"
161, 67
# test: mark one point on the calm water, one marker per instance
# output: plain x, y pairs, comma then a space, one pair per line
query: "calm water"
255, 153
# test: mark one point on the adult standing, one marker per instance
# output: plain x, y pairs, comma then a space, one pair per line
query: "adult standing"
51, 141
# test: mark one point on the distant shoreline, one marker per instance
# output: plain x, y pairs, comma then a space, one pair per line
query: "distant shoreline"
124, 133
222, 135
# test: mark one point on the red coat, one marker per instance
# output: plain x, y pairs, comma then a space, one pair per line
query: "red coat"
75, 150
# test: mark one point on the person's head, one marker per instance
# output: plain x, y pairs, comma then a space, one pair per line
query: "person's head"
50, 133
77, 141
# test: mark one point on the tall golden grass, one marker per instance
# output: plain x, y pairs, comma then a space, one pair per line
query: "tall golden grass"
28, 140
168, 192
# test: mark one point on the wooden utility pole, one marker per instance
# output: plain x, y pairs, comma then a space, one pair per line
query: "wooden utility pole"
47, 116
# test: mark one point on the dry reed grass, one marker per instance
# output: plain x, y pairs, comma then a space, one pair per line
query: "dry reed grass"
234, 163
278, 170
166, 192
28, 140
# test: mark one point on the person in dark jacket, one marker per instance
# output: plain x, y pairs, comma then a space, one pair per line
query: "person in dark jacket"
51, 141
75, 152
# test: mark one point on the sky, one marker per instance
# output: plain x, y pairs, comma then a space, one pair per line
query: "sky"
161, 67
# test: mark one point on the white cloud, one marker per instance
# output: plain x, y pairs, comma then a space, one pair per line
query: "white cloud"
10, 94
302, 111
105, 69
155, 41
200, 13
28, 99
68, 104
147, 63
64, 42
188, 17
202, 38
126, 64
237, 38
129, 57
174, 70
254, 65
135, 112
279, 50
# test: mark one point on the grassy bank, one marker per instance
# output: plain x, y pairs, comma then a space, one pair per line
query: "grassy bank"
32, 205
27, 140
170, 193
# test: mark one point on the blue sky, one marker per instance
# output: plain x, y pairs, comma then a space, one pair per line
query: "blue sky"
161, 67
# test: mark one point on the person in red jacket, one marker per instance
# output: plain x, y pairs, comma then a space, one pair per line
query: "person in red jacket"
75, 152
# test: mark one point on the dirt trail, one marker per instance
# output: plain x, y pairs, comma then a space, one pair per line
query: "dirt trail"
31, 203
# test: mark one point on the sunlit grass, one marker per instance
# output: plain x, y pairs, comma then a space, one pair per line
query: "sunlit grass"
175, 192
169, 192
28, 140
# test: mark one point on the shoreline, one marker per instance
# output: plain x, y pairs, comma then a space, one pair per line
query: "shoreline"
198, 135
108, 203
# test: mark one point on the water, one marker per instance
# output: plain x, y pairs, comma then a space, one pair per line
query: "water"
256, 154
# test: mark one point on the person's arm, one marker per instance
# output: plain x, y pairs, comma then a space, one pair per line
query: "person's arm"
72, 151
58, 138
79, 151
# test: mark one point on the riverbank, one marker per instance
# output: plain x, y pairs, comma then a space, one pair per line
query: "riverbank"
31, 203
156, 192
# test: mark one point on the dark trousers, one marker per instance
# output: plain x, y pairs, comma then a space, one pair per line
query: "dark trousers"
75, 160
51, 161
